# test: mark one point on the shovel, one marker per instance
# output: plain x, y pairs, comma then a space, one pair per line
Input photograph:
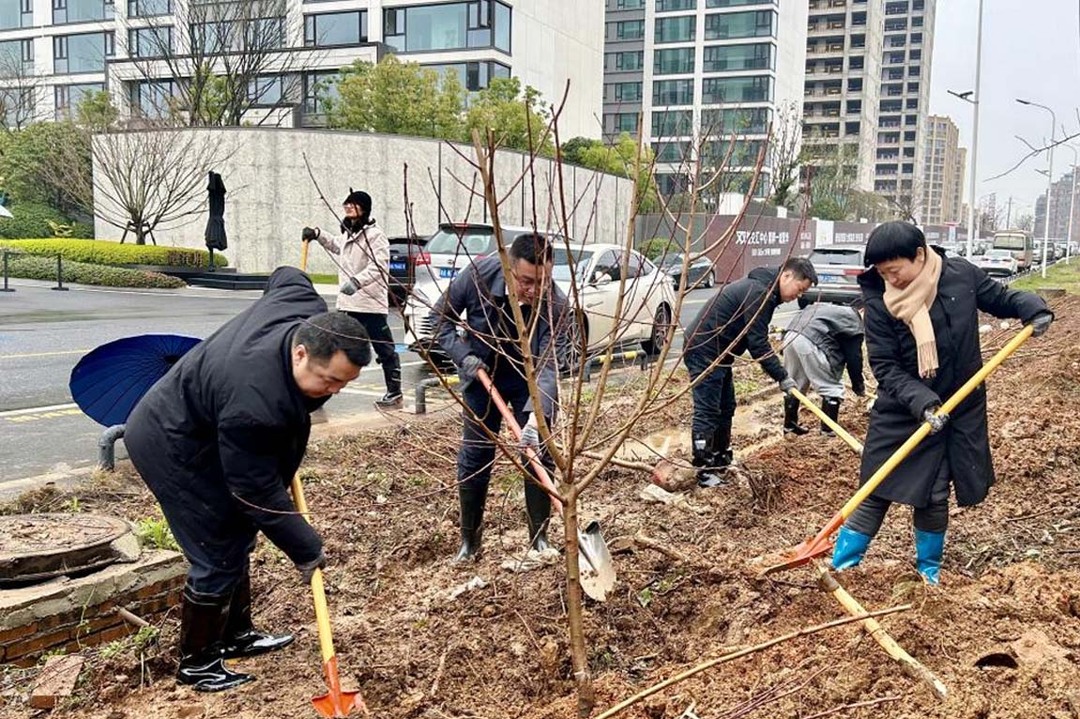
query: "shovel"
820, 544
598, 570
840, 431
335, 703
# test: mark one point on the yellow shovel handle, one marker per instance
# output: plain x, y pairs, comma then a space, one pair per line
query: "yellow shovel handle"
924, 429
843, 433
322, 612
303, 255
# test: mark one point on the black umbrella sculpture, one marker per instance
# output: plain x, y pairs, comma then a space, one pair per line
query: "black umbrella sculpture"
215, 225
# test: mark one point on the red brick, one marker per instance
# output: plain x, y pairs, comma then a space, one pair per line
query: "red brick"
56, 681
9, 636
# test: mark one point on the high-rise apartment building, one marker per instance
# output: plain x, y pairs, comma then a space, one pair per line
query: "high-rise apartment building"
53, 52
843, 70
697, 74
943, 173
1061, 204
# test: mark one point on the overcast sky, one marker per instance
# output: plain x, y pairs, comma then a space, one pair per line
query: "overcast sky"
1031, 50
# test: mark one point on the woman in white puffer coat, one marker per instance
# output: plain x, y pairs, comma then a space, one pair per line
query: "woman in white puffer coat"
364, 257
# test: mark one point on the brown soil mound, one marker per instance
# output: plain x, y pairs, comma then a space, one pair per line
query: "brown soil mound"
1002, 631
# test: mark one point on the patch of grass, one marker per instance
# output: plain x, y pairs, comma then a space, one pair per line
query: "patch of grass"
154, 532
745, 386
320, 279
1060, 276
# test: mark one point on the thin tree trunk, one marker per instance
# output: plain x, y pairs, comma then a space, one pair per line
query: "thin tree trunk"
575, 609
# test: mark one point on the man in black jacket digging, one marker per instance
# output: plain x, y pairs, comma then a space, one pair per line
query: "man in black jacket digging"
218, 440
735, 320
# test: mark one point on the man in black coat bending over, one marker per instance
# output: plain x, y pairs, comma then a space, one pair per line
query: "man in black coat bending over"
736, 319
218, 440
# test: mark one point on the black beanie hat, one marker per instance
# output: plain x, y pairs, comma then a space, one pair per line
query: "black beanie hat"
361, 199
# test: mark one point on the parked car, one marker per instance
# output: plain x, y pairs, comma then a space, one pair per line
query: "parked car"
998, 263
406, 254
838, 268
700, 274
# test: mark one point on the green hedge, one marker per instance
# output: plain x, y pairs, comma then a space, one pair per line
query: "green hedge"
31, 220
42, 268
104, 252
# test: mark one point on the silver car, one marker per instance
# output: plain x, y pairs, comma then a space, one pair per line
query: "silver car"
838, 268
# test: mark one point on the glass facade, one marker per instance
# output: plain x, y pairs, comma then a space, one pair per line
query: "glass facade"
67, 11
320, 88
673, 123
82, 53
737, 3
673, 5
448, 26
624, 61
623, 91
733, 25
673, 61
16, 13
152, 98
620, 122
675, 29
672, 151
16, 58
717, 90
335, 29
68, 97
673, 92
728, 58
149, 8
266, 91
625, 30
150, 41
740, 121
473, 76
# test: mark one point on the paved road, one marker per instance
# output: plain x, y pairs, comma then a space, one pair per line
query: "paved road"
44, 333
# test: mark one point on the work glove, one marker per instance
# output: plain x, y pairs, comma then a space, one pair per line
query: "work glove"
1040, 323
786, 385
307, 569
309, 234
469, 368
937, 422
530, 435
349, 287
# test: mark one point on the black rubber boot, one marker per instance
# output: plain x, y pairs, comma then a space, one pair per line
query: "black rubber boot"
241, 637
202, 623
391, 368
831, 407
791, 417
538, 507
471, 502
709, 462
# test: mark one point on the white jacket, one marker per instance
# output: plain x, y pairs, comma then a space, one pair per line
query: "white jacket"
365, 255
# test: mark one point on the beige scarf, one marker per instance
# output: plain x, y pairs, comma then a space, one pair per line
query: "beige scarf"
912, 305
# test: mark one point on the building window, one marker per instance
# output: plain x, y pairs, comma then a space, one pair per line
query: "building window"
626, 30
736, 3
266, 91
16, 58
150, 42
629, 4
335, 29
68, 97
82, 53
71, 11
449, 26
673, 5
675, 29
716, 90
728, 26
473, 76
237, 33
673, 92
624, 91
673, 123
149, 8
320, 89
740, 121
673, 61
152, 98
624, 61
16, 13
672, 151
619, 122
727, 58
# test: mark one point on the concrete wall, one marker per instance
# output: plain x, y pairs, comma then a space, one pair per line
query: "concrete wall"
271, 196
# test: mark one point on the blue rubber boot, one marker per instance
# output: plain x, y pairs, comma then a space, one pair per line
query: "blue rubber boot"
929, 546
849, 548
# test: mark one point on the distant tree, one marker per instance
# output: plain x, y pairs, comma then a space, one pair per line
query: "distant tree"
1025, 222
399, 98
783, 156
518, 116
573, 149
31, 160
621, 158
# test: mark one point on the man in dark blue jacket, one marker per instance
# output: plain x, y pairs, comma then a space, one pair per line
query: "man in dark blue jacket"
735, 319
218, 440
488, 339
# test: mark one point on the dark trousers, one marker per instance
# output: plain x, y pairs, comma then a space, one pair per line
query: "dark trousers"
382, 342
714, 396
934, 517
477, 453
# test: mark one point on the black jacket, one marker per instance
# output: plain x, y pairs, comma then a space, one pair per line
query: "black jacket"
963, 290
229, 412
837, 330
479, 293
738, 316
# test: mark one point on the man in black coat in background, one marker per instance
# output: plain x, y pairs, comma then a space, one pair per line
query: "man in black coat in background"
218, 439
734, 320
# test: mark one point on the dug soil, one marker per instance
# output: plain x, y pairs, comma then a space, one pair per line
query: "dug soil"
423, 638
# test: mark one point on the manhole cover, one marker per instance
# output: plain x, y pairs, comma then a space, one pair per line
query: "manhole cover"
34, 547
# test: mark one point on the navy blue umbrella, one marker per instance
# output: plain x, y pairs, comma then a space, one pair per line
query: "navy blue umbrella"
110, 380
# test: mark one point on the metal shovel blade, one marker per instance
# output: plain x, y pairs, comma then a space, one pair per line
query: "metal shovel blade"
598, 569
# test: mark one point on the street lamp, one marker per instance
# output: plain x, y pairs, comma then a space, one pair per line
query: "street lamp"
967, 97
1049, 175
1072, 204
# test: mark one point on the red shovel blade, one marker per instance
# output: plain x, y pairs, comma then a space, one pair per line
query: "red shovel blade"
802, 554
337, 703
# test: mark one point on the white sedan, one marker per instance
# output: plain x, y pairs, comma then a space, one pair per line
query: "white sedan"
999, 263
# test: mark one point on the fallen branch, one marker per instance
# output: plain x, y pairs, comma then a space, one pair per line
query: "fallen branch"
131, 618
643, 541
908, 663
856, 705
626, 704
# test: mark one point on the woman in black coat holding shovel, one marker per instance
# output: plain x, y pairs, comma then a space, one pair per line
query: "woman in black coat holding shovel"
922, 334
